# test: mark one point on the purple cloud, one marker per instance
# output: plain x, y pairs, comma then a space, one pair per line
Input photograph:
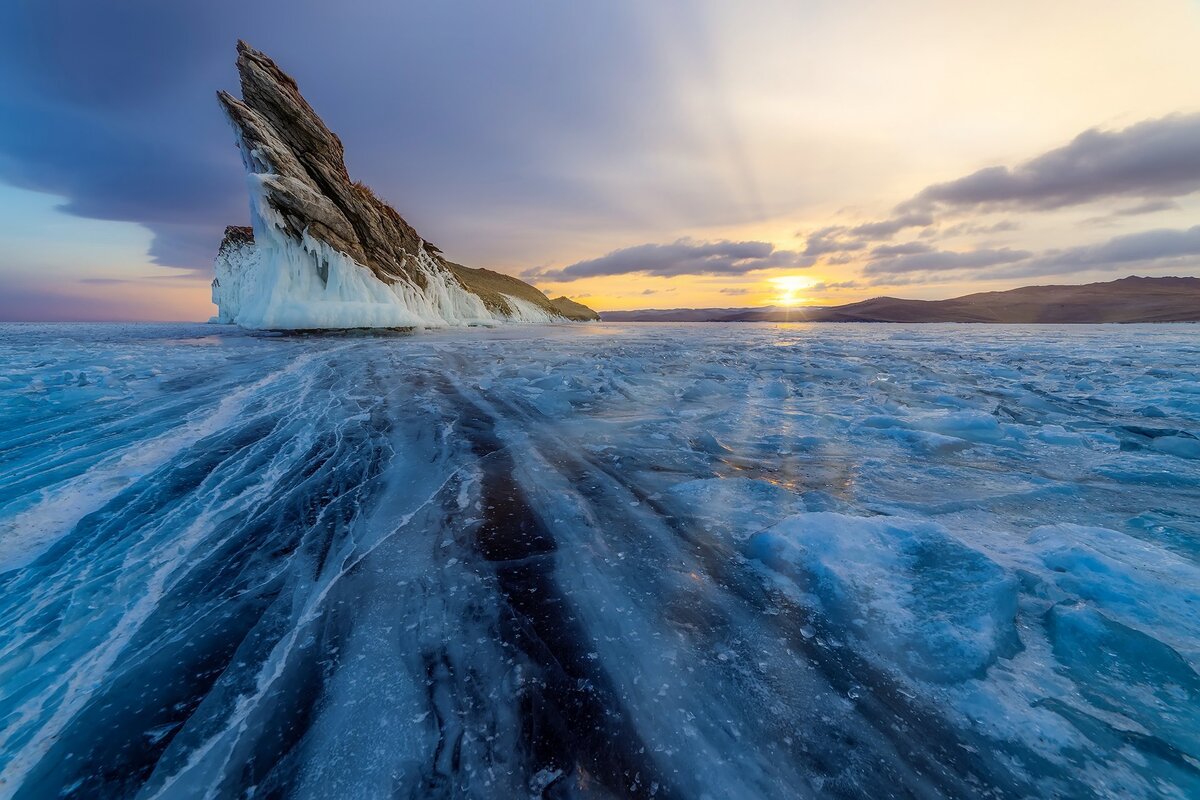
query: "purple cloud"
1153, 159
683, 257
944, 260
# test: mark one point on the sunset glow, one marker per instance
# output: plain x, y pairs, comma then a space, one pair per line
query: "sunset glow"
724, 157
789, 287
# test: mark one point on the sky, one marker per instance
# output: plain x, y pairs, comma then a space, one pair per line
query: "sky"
629, 154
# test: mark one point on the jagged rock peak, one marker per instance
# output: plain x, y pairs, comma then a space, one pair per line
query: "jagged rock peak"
324, 251
306, 177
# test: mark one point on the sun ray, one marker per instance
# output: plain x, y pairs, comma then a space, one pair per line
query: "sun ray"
789, 287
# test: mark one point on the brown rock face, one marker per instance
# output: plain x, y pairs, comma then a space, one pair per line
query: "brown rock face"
300, 166
237, 235
308, 183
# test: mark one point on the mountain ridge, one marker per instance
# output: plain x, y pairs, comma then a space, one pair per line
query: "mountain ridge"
1125, 300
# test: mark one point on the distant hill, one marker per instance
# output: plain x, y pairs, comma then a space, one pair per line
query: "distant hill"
685, 314
573, 310
1131, 299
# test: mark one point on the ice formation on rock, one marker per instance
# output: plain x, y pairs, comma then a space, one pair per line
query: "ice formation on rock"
323, 251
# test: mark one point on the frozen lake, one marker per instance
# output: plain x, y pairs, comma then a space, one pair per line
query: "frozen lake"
679, 561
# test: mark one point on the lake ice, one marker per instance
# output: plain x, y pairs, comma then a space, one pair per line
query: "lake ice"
600, 560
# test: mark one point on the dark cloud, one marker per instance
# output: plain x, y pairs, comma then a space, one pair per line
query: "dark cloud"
831, 239
1115, 218
843, 239
457, 112
116, 115
1148, 207
912, 279
1156, 160
944, 260
824, 286
977, 228
888, 228
905, 249
1145, 249
841, 258
684, 257
1152, 159
735, 291
1148, 249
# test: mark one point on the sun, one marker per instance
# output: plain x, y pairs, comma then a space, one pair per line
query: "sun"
788, 287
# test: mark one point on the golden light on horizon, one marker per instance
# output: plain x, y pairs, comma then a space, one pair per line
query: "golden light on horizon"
788, 287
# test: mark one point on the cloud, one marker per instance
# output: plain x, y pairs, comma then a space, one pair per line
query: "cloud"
824, 286
839, 240
117, 117
841, 258
905, 249
843, 239
944, 260
1113, 218
112, 106
1148, 207
975, 228
683, 257
1153, 159
1162, 247
1143, 249
913, 279
828, 240
886, 229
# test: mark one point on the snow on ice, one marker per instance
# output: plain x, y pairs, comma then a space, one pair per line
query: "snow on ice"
658, 560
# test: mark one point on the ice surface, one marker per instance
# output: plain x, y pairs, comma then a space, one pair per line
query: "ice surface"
1135, 581
604, 560
736, 507
912, 593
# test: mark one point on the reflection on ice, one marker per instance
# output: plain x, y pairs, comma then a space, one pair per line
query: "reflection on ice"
668, 561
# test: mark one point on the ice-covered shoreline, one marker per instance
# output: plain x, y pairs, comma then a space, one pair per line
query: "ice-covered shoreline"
275, 282
668, 560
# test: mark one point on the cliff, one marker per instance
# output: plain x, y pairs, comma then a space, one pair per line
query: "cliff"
323, 251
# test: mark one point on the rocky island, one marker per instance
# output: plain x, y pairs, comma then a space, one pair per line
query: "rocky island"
323, 251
